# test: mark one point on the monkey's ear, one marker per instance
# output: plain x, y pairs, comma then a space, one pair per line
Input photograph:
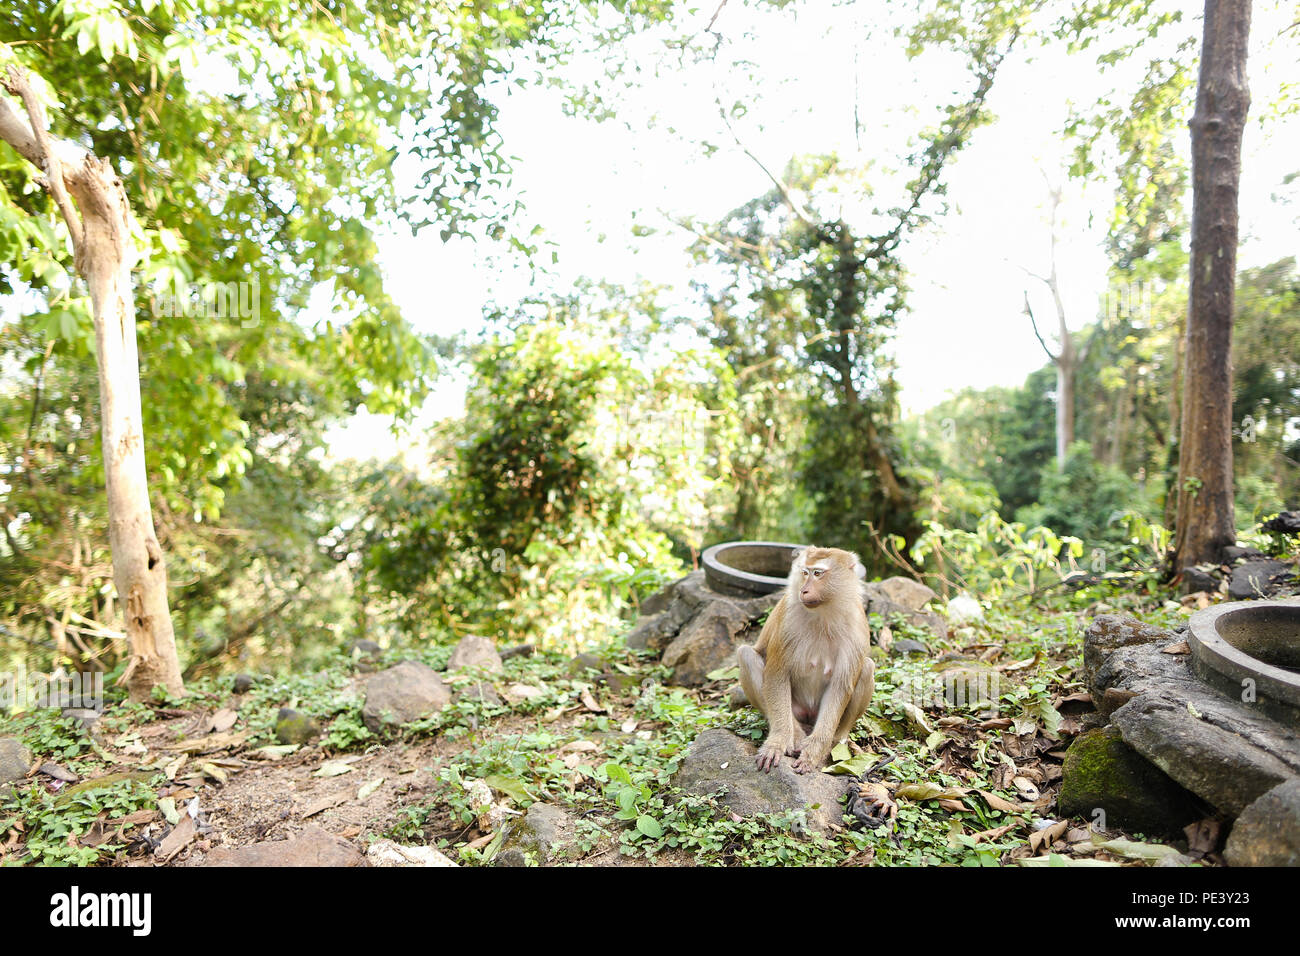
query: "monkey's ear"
795, 555
859, 569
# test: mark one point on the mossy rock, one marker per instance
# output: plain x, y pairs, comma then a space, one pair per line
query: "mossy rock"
292, 727
1102, 772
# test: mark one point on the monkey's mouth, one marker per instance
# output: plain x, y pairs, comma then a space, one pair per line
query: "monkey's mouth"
811, 603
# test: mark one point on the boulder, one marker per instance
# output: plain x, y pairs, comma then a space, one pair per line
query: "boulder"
1257, 579
311, 846
481, 691
15, 760
242, 683
1194, 579
708, 641
906, 593
1268, 831
1103, 773
402, 693
876, 600
679, 601
1225, 751
721, 764
475, 651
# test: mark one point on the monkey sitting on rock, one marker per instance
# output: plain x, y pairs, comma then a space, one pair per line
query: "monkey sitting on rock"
810, 672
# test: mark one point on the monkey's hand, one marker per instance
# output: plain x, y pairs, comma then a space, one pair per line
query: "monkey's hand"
812, 756
770, 754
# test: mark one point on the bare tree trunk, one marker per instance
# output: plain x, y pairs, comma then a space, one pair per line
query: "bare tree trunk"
1067, 359
1205, 523
104, 254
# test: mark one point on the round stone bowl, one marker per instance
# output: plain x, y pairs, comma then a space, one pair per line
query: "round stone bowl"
747, 568
1251, 646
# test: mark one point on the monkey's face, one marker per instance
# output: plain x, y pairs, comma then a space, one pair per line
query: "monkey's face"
818, 574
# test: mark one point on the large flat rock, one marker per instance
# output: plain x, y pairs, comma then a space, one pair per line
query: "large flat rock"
722, 764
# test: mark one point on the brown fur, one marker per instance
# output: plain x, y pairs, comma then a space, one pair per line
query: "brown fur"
810, 673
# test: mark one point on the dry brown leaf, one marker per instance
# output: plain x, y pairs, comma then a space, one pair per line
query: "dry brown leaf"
1179, 648
995, 833
999, 803
1019, 665
221, 721
995, 723
953, 806
590, 703
197, 745
321, 804
177, 840
1046, 837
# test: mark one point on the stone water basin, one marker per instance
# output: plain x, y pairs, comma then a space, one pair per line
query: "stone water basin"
746, 568
1241, 642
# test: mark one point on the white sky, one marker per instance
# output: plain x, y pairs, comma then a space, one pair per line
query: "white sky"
587, 183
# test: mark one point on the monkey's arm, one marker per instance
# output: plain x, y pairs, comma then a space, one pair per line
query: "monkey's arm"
778, 707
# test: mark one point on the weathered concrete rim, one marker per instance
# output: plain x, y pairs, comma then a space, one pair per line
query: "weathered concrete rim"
727, 579
1218, 661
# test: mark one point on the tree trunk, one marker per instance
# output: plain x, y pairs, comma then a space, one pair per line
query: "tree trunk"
1205, 522
104, 255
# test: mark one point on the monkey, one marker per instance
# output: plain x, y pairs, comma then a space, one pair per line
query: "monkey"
810, 672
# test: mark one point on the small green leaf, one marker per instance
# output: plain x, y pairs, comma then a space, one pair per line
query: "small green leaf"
649, 826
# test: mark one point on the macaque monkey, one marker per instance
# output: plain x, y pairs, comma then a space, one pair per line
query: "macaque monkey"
810, 673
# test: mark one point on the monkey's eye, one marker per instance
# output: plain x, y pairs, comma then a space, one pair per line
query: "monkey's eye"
817, 573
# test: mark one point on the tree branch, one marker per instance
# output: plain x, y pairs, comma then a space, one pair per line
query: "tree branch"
37, 148
1030, 312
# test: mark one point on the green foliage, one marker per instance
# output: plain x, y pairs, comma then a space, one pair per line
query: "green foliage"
997, 557
1083, 500
52, 825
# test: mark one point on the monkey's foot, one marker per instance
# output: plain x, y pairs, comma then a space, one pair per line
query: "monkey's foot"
769, 755
812, 758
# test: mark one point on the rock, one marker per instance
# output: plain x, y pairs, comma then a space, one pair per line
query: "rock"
876, 601
1236, 552
388, 853
1268, 831
292, 727
1225, 751
367, 649
402, 693
1102, 772
1211, 761
1288, 522
908, 646
512, 856
736, 698
1256, 579
718, 760
518, 650
579, 666
964, 610
1109, 632
242, 683
906, 593
311, 846
86, 719
1194, 579
58, 772
15, 760
481, 691
544, 831
684, 598
708, 640
475, 651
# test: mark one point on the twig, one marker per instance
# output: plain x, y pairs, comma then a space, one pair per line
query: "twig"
16, 83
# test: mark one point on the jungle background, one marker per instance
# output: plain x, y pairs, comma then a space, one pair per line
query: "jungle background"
337, 455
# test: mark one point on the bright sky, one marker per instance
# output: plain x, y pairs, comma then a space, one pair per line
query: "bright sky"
588, 183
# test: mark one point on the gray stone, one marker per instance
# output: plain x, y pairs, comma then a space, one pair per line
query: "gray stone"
579, 666
15, 759
1102, 772
1268, 831
544, 831
475, 651
1224, 750
708, 641
1256, 579
481, 691
367, 648
311, 846
721, 764
242, 683
876, 600
908, 646
655, 631
906, 593
1235, 552
292, 727
402, 693
1194, 579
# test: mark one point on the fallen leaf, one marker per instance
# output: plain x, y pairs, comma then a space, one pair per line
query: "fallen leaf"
582, 746
929, 791
275, 751
590, 703
221, 721
1133, 850
995, 833
323, 803
998, 803
177, 840
332, 768
1179, 648
1026, 787
370, 788
953, 806
1047, 836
